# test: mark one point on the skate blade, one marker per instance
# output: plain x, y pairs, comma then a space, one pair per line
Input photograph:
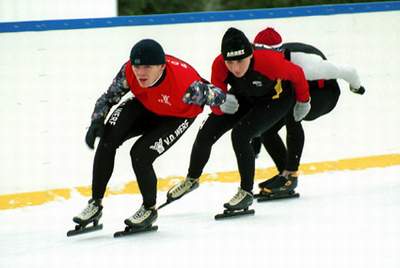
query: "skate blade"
131, 231
79, 229
169, 201
263, 197
165, 204
234, 213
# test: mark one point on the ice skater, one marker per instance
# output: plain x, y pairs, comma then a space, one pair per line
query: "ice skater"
266, 87
156, 114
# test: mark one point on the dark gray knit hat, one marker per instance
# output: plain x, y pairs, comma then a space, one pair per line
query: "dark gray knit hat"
235, 45
147, 52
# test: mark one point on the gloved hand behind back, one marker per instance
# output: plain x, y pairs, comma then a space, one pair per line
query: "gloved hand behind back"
96, 129
301, 109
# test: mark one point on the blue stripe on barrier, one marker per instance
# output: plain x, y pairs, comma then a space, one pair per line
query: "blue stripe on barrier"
193, 17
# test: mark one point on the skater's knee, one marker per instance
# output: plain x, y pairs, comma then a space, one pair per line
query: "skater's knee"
108, 145
294, 128
140, 158
136, 161
204, 141
240, 136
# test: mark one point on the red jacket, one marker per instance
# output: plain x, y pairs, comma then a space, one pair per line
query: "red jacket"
267, 69
165, 98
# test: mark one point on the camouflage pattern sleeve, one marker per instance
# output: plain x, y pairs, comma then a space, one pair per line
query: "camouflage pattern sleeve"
118, 88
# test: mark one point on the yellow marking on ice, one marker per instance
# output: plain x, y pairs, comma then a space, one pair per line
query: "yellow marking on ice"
18, 200
84, 190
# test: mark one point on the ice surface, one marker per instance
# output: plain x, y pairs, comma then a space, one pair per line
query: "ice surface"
342, 219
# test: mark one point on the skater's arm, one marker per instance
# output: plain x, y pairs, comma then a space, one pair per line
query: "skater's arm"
118, 88
203, 93
316, 68
219, 74
284, 70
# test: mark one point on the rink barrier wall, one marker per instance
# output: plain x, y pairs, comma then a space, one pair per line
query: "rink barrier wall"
196, 17
19, 200
25, 199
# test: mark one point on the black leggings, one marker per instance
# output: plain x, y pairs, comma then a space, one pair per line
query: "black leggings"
248, 122
323, 100
157, 135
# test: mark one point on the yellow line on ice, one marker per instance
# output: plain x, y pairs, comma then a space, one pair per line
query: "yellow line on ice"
18, 200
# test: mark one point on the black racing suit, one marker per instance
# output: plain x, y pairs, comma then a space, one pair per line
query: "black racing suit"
156, 134
258, 111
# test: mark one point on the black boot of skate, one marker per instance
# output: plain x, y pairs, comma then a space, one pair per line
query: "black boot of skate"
269, 182
180, 189
238, 205
278, 187
91, 214
141, 221
143, 218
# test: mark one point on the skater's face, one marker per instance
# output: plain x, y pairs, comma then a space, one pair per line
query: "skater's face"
148, 75
238, 67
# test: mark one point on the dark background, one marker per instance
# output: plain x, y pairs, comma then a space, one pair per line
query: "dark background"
141, 7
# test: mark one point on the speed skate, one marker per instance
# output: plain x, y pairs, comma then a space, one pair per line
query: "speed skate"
135, 230
234, 213
265, 196
82, 229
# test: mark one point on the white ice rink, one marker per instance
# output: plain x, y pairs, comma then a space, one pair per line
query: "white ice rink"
342, 219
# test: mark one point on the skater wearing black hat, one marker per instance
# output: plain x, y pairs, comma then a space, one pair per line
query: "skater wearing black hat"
156, 114
265, 86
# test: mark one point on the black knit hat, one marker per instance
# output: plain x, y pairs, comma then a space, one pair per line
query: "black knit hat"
147, 52
235, 45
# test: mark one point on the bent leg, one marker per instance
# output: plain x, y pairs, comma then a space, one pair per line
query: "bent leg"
214, 127
117, 130
149, 147
250, 126
294, 142
274, 146
323, 100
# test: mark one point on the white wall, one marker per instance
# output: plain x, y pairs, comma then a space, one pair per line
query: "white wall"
49, 82
24, 10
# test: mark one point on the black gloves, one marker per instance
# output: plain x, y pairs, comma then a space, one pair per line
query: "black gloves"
96, 129
360, 90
